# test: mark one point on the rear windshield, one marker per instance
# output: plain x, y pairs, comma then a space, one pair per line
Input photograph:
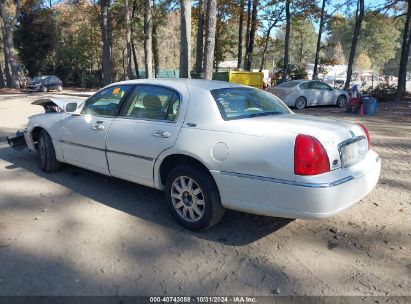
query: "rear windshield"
288, 84
236, 103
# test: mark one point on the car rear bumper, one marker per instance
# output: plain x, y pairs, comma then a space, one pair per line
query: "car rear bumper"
282, 198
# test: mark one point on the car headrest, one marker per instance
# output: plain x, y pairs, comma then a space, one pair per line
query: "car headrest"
152, 102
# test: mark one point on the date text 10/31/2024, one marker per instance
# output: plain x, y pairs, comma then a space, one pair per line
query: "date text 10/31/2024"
204, 299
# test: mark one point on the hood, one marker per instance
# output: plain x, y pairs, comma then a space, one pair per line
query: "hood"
56, 104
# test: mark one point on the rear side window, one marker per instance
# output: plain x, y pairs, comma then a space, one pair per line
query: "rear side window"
236, 103
105, 102
152, 102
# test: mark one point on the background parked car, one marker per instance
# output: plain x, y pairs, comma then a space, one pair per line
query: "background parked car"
45, 84
303, 93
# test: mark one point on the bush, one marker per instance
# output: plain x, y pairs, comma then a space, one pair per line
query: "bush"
383, 92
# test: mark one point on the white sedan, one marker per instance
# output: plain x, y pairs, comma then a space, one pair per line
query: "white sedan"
210, 145
304, 93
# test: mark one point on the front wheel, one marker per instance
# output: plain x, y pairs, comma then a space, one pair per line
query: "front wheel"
341, 101
301, 103
46, 154
59, 88
193, 198
44, 89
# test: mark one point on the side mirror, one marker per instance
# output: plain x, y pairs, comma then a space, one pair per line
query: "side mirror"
71, 107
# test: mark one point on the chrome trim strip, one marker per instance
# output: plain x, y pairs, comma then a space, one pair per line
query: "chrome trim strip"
108, 151
131, 155
288, 182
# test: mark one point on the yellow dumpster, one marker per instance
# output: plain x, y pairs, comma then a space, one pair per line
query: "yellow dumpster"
253, 79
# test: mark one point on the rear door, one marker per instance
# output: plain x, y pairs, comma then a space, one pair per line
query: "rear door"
148, 123
83, 137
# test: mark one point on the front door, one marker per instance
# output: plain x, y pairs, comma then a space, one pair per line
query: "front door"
148, 124
83, 137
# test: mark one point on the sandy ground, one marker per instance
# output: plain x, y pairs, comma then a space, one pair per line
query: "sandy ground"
81, 233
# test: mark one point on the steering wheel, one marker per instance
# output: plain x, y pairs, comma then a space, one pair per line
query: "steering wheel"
253, 109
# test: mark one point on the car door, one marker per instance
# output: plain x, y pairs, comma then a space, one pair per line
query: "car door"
148, 123
83, 136
327, 93
314, 96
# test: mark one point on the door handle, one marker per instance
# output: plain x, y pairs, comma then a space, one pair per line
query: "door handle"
159, 133
97, 127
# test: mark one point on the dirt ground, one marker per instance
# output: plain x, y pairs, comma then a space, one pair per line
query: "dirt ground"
81, 233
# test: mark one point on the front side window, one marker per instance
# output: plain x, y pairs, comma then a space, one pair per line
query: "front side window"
152, 102
105, 102
236, 103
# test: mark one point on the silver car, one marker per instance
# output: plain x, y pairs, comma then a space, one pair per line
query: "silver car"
303, 93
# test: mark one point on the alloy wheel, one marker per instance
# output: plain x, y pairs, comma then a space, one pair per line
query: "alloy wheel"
187, 198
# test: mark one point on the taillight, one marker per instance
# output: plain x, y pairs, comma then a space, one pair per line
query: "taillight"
366, 135
310, 157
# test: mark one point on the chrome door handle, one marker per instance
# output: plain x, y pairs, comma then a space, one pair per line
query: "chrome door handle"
159, 133
97, 127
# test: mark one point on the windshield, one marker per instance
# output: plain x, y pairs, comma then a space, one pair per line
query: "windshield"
236, 103
39, 78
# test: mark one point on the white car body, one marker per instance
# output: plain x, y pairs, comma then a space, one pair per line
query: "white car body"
315, 92
250, 160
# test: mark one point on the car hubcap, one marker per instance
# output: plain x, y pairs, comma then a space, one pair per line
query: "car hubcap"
300, 103
187, 198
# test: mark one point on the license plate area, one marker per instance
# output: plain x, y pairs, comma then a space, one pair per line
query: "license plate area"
353, 151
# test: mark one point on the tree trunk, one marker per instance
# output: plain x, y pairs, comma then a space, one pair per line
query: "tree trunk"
240, 35
247, 31
7, 67
317, 50
2, 83
128, 39
105, 36
405, 52
156, 52
148, 38
267, 39
211, 25
287, 39
133, 48
12, 67
357, 29
185, 43
200, 37
252, 36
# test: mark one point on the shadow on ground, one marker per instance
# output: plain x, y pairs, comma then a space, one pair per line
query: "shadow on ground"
236, 228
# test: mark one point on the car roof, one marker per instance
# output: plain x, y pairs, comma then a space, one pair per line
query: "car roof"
195, 83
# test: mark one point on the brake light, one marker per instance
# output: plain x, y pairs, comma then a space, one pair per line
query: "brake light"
310, 157
366, 135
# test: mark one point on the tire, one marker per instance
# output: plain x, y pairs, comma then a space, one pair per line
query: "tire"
301, 103
59, 88
208, 213
44, 89
46, 155
341, 101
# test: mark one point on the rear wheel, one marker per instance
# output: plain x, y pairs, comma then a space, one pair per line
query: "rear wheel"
59, 88
44, 89
341, 101
46, 154
301, 103
193, 198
